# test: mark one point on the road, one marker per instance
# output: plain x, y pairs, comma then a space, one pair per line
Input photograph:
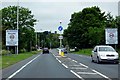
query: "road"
72, 66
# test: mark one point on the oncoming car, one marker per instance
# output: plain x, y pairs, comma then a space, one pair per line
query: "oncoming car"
45, 51
104, 54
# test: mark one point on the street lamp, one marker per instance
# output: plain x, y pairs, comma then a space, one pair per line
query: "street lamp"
17, 21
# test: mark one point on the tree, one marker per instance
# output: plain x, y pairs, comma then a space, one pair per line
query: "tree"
118, 26
26, 24
84, 28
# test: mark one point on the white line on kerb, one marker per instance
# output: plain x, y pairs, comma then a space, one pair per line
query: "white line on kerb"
76, 74
22, 68
101, 74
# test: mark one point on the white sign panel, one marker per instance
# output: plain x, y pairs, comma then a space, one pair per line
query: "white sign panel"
60, 37
111, 36
11, 37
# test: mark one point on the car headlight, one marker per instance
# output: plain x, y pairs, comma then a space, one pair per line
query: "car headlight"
102, 55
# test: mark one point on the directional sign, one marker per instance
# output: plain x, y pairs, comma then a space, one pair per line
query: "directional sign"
111, 36
60, 28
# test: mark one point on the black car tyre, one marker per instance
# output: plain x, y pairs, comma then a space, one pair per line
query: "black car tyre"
92, 59
98, 61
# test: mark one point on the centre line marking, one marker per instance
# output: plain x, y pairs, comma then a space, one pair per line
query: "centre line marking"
64, 65
22, 68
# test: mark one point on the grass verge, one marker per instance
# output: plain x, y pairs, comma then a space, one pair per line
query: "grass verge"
84, 52
12, 59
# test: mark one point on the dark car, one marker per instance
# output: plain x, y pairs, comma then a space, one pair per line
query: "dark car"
65, 50
45, 51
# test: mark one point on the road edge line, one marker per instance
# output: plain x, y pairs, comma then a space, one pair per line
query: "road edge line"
22, 67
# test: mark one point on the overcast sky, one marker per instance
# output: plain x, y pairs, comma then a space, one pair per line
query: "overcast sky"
50, 13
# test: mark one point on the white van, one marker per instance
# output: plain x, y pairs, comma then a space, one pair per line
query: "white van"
104, 54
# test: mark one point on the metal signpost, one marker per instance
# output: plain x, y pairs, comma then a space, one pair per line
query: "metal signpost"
60, 28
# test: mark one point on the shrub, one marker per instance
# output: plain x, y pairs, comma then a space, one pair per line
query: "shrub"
5, 52
23, 50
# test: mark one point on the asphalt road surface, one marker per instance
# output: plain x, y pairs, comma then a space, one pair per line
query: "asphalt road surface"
71, 66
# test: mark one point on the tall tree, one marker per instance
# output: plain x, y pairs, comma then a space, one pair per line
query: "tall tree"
84, 27
118, 26
26, 24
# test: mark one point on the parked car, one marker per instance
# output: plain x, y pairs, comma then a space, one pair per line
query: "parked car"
45, 50
104, 54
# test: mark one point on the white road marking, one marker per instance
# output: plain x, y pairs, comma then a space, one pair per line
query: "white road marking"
69, 58
86, 73
75, 65
64, 65
74, 61
101, 74
77, 68
22, 68
96, 72
83, 65
76, 74
58, 60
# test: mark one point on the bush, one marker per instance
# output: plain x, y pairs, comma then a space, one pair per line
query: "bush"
34, 52
23, 50
5, 52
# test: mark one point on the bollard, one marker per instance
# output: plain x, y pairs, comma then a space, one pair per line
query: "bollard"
62, 53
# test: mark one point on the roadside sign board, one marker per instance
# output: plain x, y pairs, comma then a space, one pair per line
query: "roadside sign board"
11, 37
60, 37
60, 28
111, 35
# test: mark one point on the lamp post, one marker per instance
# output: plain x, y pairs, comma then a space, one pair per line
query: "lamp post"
17, 21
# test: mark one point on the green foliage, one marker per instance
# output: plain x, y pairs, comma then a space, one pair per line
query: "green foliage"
118, 26
84, 52
48, 40
12, 59
87, 28
26, 24
5, 52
